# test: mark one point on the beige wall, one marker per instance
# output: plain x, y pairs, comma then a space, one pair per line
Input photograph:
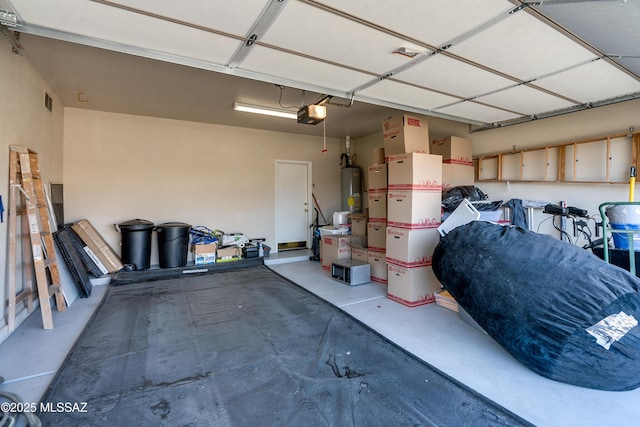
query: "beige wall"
24, 121
121, 167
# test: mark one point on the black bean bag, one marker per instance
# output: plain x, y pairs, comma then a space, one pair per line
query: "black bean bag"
558, 309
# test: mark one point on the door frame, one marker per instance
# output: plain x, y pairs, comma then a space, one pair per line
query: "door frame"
309, 197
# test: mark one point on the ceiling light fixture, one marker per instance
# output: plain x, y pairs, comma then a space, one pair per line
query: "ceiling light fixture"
264, 110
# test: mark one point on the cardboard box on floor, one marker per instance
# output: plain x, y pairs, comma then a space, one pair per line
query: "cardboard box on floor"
205, 253
229, 253
90, 236
415, 171
335, 247
407, 133
412, 286
453, 149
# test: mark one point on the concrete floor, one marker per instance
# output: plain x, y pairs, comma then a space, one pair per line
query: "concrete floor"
30, 357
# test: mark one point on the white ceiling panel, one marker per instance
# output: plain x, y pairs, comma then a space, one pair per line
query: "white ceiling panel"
304, 28
431, 21
472, 111
612, 26
523, 47
336, 47
525, 100
391, 91
452, 76
234, 17
97, 21
591, 82
280, 65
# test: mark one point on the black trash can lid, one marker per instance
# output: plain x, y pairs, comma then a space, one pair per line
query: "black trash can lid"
174, 224
136, 225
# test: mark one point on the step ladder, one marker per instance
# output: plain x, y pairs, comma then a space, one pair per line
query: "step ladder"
27, 200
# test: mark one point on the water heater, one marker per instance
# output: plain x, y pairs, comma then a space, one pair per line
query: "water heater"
350, 180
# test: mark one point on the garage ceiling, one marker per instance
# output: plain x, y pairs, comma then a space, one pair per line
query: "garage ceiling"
487, 63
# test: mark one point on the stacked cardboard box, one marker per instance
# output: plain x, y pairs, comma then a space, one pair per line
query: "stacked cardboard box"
407, 133
457, 161
335, 247
358, 230
413, 215
377, 223
359, 238
359, 253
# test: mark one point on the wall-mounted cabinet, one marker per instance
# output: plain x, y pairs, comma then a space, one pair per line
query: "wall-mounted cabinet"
598, 160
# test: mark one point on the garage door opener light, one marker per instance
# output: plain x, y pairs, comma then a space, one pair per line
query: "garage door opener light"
264, 110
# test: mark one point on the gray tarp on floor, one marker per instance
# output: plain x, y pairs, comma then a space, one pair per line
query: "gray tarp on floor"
249, 348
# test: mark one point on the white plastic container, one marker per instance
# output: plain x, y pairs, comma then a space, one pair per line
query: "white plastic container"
330, 229
341, 219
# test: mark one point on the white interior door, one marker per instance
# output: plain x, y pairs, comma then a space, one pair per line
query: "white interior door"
293, 205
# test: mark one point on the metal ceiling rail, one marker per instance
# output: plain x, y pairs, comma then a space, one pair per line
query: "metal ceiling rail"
555, 113
260, 26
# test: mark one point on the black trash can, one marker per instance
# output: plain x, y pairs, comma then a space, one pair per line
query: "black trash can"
173, 244
136, 243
